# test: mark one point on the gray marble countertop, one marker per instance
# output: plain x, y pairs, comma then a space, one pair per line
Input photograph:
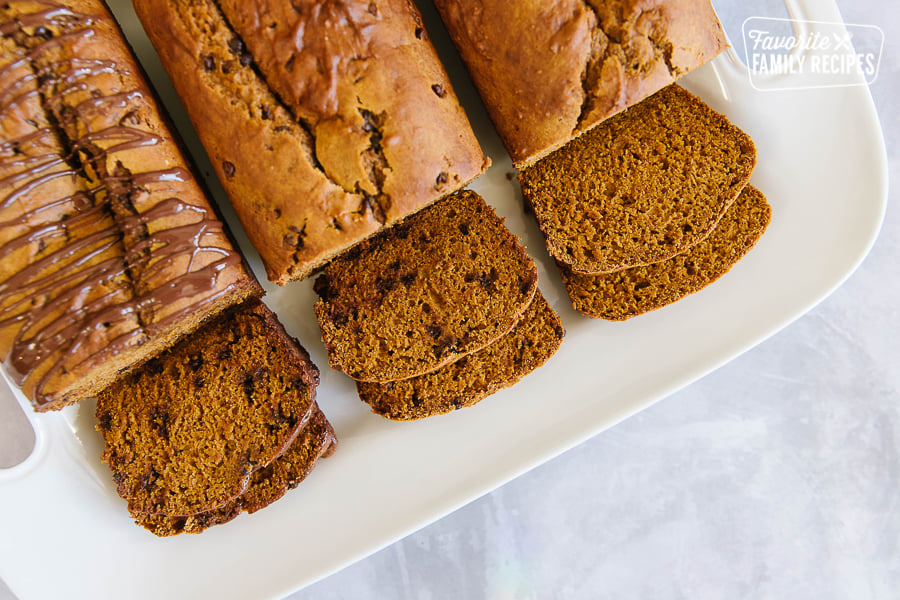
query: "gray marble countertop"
777, 476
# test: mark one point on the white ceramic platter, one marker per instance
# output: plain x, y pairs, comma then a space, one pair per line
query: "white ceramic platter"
64, 533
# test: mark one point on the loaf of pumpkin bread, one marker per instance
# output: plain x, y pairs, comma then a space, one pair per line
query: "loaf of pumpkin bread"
325, 121
549, 70
109, 249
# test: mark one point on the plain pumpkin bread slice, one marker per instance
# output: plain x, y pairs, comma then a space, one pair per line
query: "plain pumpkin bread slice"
641, 187
631, 292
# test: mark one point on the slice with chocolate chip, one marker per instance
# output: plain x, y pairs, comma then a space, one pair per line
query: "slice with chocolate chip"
447, 282
474, 377
185, 433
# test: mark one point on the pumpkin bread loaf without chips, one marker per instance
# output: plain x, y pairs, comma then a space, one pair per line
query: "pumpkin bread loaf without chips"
185, 432
631, 292
317, 440
325, 121
110, 250
549, 70
642, 187
446, 282
474, 377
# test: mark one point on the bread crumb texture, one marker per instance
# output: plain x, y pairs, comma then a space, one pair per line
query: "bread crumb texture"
642, 187
631, 292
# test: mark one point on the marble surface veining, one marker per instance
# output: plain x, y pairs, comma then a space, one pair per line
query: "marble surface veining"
777, 476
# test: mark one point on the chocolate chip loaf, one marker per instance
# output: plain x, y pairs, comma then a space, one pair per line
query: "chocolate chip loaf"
185, 432
644, 186
625, 294
446, 282
549, 70
109, 250
325, 121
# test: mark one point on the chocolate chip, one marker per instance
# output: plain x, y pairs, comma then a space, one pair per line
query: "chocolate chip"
439, 90
282, 128
434, 331
420, 33
195, 362
246, 59
43, 32
209, 63
227, 66
373, 10
159, 420
105, 421
323, 288
264, 113
525, 285
228, 168
236, 46
464, 228
385, 284
224, 354
442, 178
289, 241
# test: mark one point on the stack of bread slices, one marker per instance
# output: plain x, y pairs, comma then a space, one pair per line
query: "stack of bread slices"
651, 205
437, 312
222, 423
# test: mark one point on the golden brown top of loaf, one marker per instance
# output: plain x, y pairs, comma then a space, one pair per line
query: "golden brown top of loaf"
550, 70
325, 121
110, 250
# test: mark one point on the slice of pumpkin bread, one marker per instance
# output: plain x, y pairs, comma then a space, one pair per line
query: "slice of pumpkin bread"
631, 292
185, 432
317, 440
474, 377
446, 282
643, 186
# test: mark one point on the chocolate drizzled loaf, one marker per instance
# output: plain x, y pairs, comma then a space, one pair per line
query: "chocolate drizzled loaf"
110, 251
446, 282
631, 292
325, 121
185, 433
644, 186
549, 70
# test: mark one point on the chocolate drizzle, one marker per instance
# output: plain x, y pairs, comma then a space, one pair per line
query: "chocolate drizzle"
94, 258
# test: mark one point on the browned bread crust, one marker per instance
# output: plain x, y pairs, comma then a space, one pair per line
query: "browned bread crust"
474, 377
446, 282
184, 433
549, 70
644, 186
317, 440
624, 294
325, 121
110, 250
